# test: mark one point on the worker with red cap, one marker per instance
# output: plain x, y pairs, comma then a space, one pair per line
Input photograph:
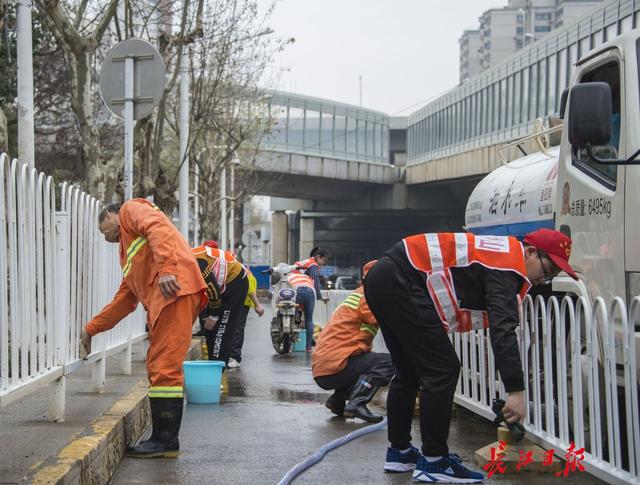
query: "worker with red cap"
343, 360
429, 285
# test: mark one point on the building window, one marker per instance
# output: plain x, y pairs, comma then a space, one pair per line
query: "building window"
543, 16
543, 28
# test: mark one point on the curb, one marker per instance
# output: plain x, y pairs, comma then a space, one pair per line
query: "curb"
93, 456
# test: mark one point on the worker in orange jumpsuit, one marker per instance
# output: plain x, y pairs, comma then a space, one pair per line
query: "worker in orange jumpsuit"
227, 287
342, 359
160, 272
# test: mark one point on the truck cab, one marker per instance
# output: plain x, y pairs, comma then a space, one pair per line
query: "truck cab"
598, 183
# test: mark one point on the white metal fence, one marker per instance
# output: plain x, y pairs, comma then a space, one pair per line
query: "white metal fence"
56, 272
579, 363
580, 367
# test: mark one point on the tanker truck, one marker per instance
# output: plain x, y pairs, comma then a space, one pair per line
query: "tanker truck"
588, 186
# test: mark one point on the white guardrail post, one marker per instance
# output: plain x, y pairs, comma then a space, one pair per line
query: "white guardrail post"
57, 401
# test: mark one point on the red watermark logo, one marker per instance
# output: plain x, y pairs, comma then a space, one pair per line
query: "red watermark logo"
573, 460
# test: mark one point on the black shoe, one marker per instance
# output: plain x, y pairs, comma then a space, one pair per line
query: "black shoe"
362, 393
335, 404
166, 417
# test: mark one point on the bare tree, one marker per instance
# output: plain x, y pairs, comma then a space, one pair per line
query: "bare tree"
78, 31
228, 48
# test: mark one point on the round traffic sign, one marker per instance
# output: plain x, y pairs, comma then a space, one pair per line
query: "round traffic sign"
148, 77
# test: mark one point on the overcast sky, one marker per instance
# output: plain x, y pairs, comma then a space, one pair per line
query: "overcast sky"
405, 50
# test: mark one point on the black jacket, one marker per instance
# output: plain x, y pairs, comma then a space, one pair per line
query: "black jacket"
490, 290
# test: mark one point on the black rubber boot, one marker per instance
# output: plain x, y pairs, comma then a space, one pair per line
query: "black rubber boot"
362, 393
166, 417
336, 403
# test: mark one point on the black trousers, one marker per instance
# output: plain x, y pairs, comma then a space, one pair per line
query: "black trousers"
238, 338
377, 367
422, 353
220, 339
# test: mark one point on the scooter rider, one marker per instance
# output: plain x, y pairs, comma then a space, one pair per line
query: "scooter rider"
342, 359
429, 284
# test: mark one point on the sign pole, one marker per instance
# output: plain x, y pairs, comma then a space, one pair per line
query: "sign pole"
128, 127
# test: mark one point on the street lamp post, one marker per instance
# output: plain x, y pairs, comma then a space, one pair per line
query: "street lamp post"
196, 204
25, 83
223, 209
232, 215
184, 144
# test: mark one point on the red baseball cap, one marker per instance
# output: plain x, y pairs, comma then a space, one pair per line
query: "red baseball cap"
211, 244
556, 245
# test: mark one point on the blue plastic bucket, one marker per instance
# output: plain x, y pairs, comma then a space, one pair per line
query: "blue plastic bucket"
301, 344
202, 379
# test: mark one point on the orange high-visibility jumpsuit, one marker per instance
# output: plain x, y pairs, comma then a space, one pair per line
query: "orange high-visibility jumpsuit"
150, 247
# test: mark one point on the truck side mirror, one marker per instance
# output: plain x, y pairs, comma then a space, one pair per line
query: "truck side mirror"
590, 114
563, 102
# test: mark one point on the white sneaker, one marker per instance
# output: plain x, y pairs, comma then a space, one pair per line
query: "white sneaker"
233, 364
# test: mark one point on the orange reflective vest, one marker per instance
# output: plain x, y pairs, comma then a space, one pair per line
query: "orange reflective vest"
350, 332
297, 278
150, 247
218, 262
434, 254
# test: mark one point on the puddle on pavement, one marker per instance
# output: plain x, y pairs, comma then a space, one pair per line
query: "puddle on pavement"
298, 397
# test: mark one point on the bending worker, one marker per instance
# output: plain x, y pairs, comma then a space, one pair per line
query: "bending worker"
342, 359
159, 271
227, 287
306, 281
430, 284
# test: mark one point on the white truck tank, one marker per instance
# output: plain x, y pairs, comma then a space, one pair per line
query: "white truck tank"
517, 198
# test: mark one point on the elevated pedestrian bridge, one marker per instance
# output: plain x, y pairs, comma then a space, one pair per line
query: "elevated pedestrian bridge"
324, 149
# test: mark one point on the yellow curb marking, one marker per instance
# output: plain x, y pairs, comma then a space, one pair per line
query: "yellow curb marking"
79, 448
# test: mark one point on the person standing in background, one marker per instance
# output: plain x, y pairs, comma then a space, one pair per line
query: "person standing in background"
250, 302
305, 279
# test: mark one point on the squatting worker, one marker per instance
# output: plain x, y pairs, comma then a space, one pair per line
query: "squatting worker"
160, 272
306, 281
227, 287
342, 359
431, 284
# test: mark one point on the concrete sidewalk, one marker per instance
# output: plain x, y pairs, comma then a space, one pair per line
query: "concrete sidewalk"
272, 416
29, 441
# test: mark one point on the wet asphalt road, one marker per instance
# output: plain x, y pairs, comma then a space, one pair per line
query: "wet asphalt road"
272, 416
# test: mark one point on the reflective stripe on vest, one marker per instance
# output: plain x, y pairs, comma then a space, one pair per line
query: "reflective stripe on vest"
304, 265
166, 391
221, 270
297, 280
133, 249
352, 301
365, 327
433, 254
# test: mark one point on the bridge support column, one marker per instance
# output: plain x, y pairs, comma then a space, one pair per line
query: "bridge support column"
279, 237
307, 227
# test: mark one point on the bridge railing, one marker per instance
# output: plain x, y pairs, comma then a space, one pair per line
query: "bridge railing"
306, 125
55, 273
